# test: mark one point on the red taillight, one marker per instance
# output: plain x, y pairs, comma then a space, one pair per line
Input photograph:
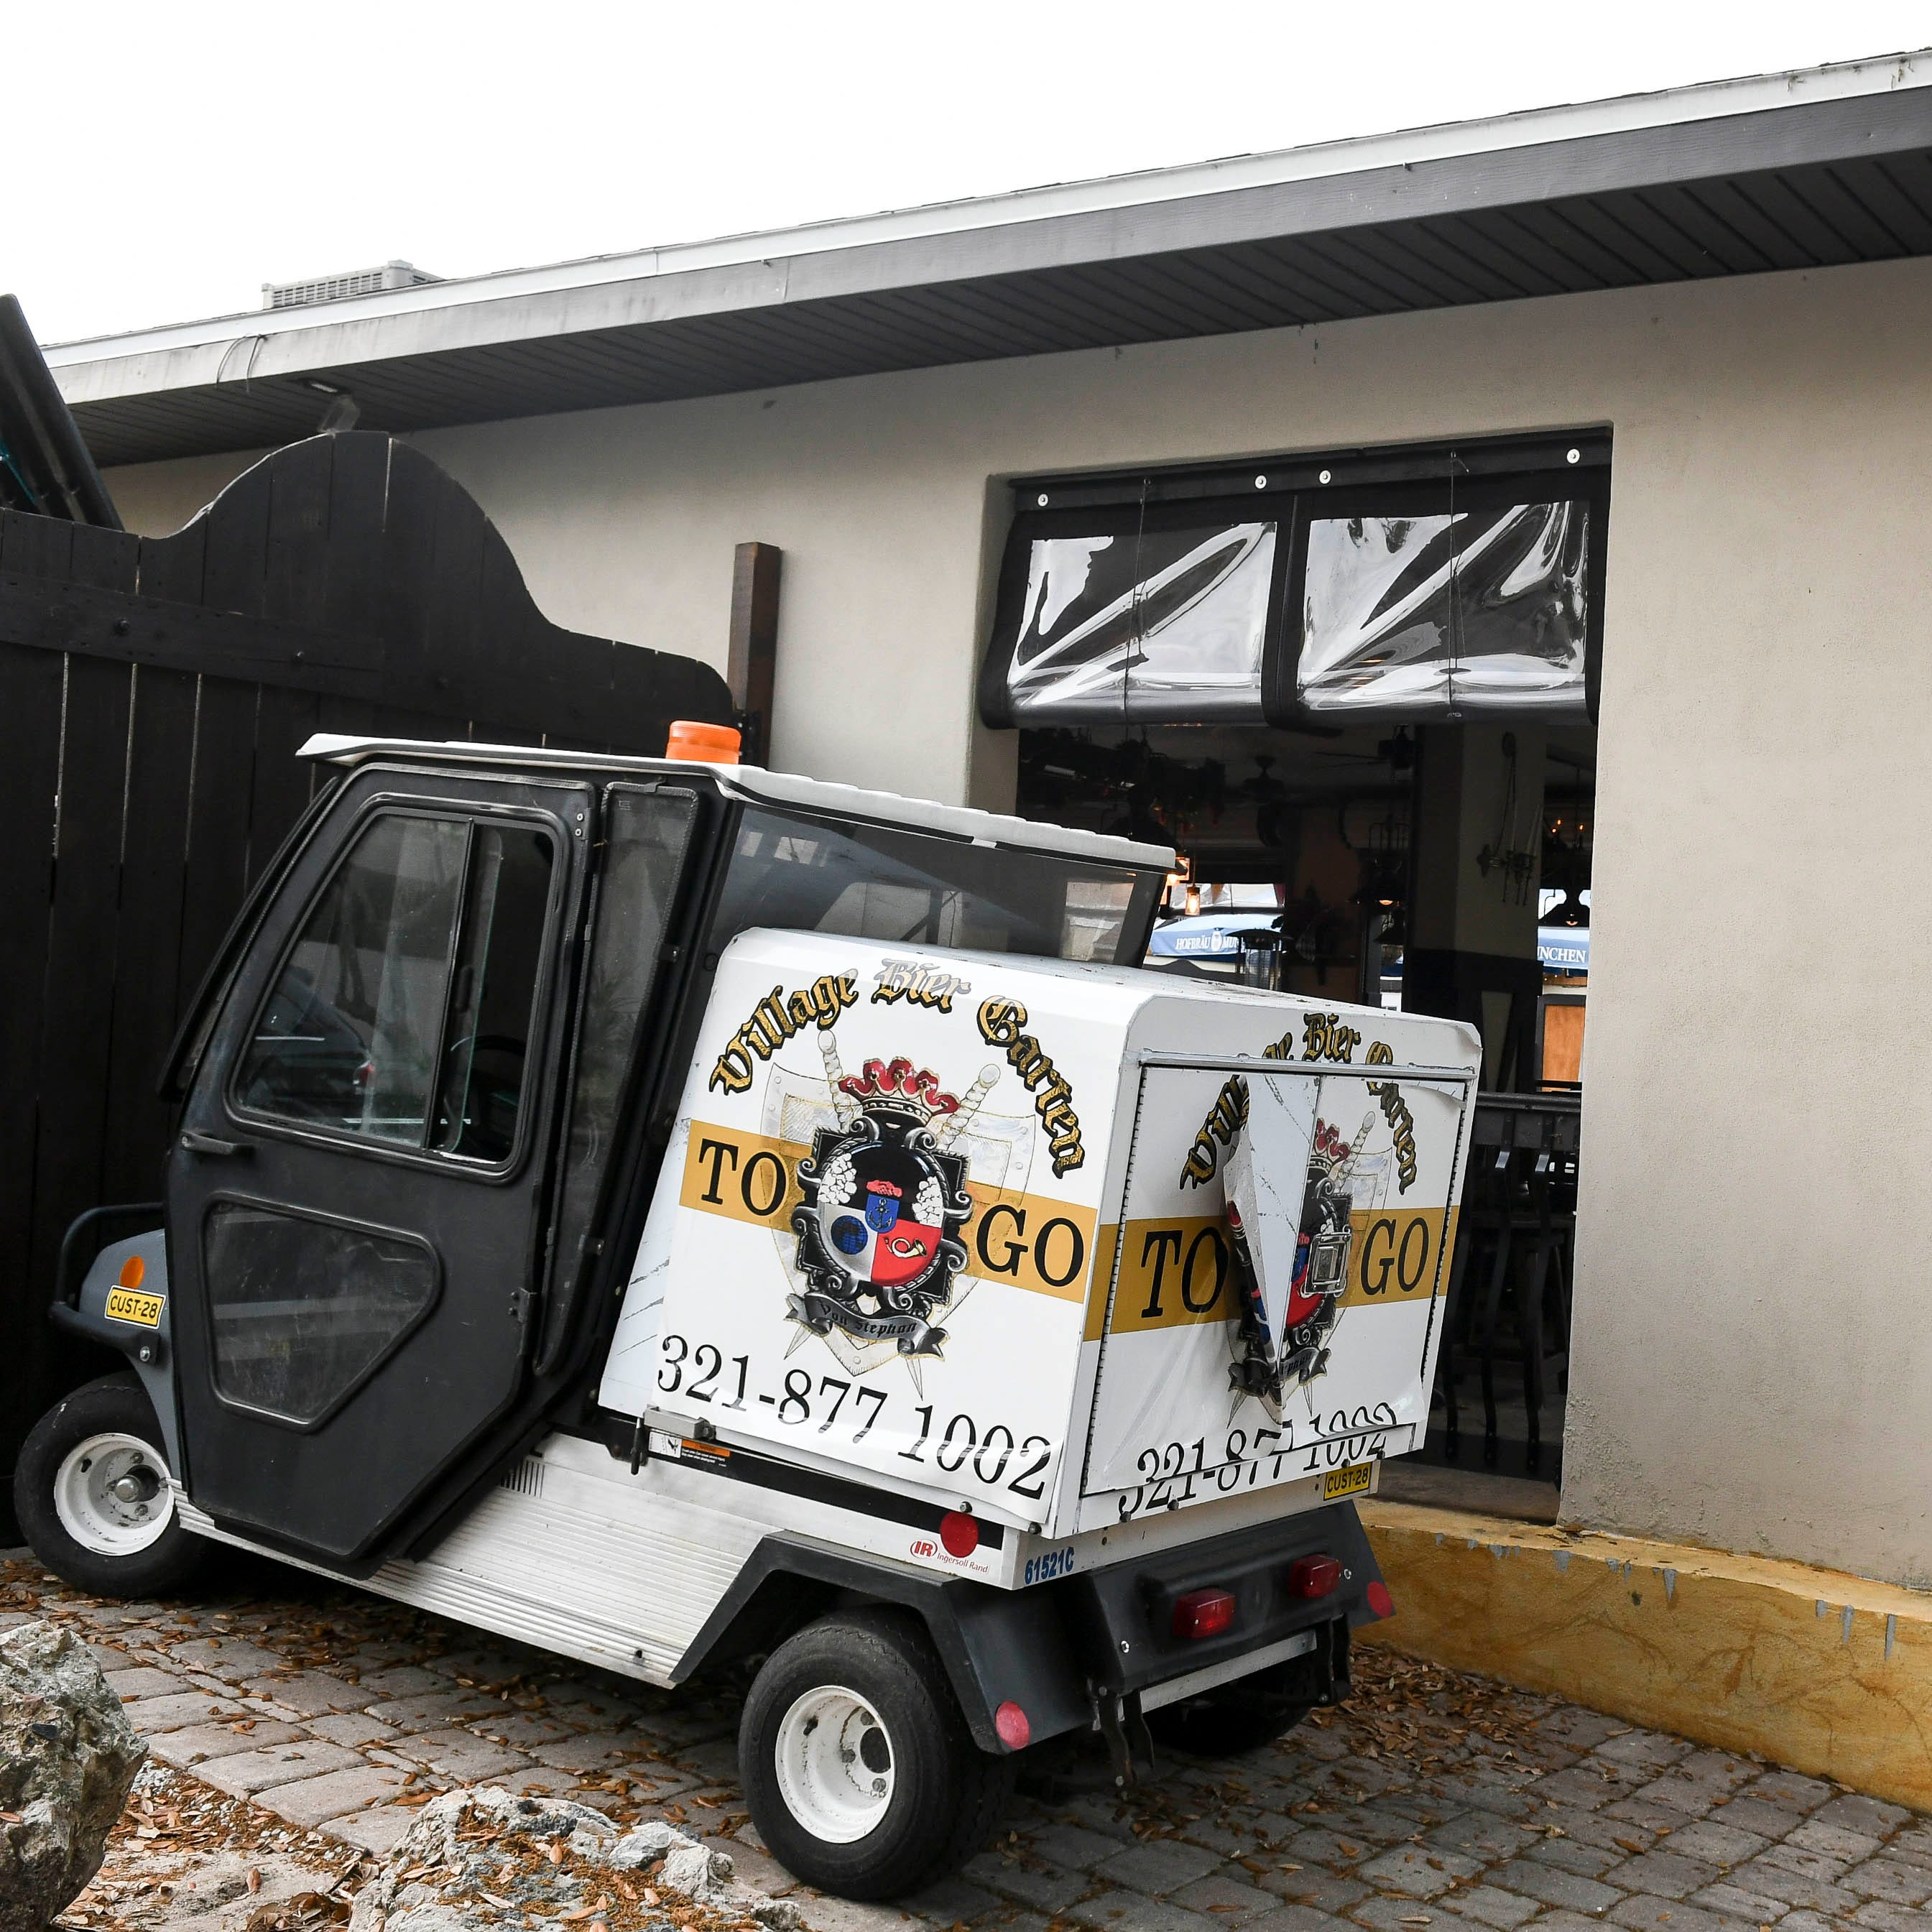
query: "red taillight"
959, 1533
1380, 1601
1313, 1576
1010, 1721
1203, 1613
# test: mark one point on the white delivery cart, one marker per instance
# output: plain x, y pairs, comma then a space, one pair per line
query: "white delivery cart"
840, 1257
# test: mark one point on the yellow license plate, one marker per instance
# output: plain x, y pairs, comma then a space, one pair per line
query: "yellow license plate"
130, 1304
1349, 1482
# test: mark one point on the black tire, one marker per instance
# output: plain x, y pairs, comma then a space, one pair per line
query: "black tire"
1230, 1719
115, 1406
947, 1794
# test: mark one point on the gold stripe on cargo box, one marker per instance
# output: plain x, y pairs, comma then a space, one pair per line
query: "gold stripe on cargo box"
1174, 1273
1035, 1242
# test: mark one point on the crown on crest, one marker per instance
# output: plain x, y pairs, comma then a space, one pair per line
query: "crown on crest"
896, 1084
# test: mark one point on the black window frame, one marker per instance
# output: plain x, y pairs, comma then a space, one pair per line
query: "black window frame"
1147, 879
1292, 492
567, 1278
414, 805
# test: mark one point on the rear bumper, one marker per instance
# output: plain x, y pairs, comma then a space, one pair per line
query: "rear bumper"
1121, 1618
1091, 1651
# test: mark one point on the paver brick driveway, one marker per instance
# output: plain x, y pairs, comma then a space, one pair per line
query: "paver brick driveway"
1434, 1800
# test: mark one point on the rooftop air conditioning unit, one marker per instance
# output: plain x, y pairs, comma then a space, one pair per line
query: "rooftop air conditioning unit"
338, 288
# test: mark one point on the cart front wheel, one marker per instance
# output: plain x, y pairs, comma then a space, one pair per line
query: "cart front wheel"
861, 1776
92, 1492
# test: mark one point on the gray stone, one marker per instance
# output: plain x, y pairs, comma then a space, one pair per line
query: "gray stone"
143, 1681
1490, 1905
1480, 1834
1788, 1788
1716, 1840
1135, 1912
1734, 1900
1329, 1891
1159, 1865
334, 1794
700, 1873
1872, 1816
1834, 1841
200, 1742
1757, 1814
379, 1831
1666, 1915
68, 1758
460, 1755
1652, 1749
1883, 1916
1398, 1914
642, 1844
152, 1715
1417, 1871
1662, 1874
1555, 1887
1225, 1898
247, 1772
1034, 1882
1582, 1856
308, 1693
1890, 1879
952, 1900
1293, 1919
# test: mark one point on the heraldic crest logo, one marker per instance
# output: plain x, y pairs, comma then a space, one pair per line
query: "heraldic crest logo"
1266, 1366
878, 1229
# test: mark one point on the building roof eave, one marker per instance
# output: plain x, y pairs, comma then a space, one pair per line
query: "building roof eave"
1803, 170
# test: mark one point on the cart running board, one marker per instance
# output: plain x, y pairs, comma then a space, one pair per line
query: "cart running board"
597, 1570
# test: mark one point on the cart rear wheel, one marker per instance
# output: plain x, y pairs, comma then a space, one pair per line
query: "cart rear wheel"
861, 1776
93, 1494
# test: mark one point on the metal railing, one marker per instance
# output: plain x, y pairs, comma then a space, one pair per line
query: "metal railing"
1506, 1324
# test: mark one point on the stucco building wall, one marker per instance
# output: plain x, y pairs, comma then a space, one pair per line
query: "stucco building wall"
1753, 1340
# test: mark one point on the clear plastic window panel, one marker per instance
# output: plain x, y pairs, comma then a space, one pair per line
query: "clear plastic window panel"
349, 1038
302, 1310
1157, 625
646, 835
874, 882
1483, 612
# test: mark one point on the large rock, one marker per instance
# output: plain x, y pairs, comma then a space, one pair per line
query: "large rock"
486, 1858
67, 1758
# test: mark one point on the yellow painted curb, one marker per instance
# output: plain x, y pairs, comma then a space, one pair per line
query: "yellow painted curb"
1822, 1671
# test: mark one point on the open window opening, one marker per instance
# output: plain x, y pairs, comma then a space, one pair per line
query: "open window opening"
1357, 693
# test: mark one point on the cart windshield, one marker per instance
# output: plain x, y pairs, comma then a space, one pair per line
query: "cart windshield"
873, 882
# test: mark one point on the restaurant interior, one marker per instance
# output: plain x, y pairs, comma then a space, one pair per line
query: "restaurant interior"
1357, 695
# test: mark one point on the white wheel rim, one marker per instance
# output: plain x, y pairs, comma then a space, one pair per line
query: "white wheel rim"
836, 1765
112, 1495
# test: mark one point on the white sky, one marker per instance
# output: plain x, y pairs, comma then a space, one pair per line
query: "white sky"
164, 161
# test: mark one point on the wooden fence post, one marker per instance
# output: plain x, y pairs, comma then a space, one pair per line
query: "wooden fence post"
752, 662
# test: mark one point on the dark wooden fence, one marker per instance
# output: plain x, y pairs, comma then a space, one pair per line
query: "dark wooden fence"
153, 693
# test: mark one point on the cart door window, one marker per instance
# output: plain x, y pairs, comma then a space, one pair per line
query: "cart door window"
302, 1309
403, 1013
645, 834
493, 994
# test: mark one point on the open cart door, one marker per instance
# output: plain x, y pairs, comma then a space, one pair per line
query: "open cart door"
1275, 1308
356, 1198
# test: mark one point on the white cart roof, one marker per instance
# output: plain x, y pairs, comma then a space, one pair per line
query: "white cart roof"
753, 782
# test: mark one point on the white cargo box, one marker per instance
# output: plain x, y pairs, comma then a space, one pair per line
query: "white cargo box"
958, 1225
